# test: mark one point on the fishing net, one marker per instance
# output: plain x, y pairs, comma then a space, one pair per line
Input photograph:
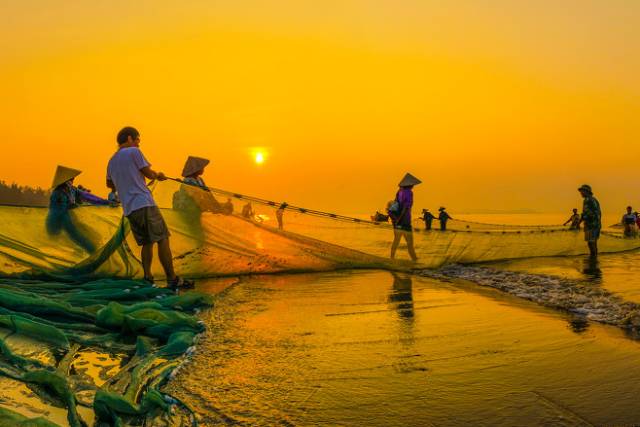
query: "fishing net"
211, 237
68, 284
150, 329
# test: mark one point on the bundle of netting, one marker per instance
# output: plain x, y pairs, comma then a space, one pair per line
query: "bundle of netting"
100, 350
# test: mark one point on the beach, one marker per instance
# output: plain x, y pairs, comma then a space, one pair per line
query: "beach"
380, 348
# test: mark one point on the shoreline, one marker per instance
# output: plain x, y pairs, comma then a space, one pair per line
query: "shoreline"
576, 297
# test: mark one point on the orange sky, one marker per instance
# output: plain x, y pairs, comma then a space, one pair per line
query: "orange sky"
493, 104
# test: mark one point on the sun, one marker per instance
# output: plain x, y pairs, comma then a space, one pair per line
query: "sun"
259, 154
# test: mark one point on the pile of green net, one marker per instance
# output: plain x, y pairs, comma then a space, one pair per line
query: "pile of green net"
154, 327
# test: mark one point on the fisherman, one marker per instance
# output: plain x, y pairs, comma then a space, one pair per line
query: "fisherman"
126, 172
194, 169
195, 197
443, 217
280, 214
428, 218
400, 214
64, 198
574, 219
629, 223
113, 197
227, 207
247, 211
380, 217
592, 218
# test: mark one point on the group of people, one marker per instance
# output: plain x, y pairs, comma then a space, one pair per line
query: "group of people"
128, 168
630, 221
126, 173
428, 218
399, 211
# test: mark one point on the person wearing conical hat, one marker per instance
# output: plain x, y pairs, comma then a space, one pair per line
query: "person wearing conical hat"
443, 217
193, 170
400, 214
592, 218
194, 201
64, 197
428, 218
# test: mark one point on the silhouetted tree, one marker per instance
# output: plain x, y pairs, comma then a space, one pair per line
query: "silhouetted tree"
15, 194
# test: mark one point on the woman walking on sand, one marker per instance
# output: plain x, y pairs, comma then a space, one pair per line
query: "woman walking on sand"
400, 214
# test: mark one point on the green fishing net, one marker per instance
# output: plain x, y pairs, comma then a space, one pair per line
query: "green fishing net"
151, 329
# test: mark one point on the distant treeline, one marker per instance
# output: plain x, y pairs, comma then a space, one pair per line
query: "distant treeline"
15, 194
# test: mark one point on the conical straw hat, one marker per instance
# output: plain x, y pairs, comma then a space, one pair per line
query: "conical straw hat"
409, 180
64, 174
193, 165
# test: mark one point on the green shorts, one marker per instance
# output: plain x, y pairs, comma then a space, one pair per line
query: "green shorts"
148, 226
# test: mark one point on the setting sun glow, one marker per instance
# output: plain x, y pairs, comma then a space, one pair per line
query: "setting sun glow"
523, 99
259, 157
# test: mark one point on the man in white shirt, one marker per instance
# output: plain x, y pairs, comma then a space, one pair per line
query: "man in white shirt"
126, 173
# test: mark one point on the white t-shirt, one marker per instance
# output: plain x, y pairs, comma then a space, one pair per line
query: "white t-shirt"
124, 171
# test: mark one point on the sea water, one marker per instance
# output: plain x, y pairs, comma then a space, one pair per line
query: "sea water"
391, 349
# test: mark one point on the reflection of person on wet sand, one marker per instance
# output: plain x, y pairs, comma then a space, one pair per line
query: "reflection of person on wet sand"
591, 270
402, 295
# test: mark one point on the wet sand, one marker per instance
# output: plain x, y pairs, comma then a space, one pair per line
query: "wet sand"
376, 348
618, 273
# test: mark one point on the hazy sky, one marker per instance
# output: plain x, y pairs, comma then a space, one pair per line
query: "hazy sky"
493, 104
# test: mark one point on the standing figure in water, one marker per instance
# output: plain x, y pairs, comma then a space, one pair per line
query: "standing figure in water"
592, 218
400, 214
280, 214
574, 219
443, 217
428, 218
126, 172
629, 223
64, 198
